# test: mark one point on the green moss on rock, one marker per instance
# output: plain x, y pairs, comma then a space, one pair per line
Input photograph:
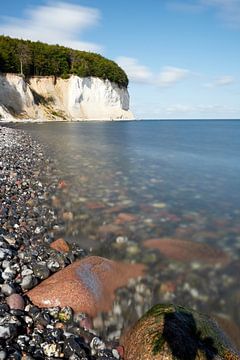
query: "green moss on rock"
177, 333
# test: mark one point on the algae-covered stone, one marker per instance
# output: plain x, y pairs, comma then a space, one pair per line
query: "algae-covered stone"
170, 332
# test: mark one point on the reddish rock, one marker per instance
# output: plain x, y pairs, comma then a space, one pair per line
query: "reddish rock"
115, 209
16, 302
95, 206
62, 184
86, 286
67, 216
125, 218
110, 229
60, 245
184, 250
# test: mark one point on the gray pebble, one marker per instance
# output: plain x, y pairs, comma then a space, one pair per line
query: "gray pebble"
5, 332
27, 282
3, 355
7, 289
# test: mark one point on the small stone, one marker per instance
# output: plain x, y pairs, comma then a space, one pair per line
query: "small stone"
53, 350
121, 240
53, 265
41, 270
27, 282
3, 355
115, 353
66, 314
7, 289
26, 272
5, 331
60, 245
97, 345
16, 301
4, 308
159, 205
73, 346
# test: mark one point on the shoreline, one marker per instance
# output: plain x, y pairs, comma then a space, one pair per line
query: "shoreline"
39, 121
29, 226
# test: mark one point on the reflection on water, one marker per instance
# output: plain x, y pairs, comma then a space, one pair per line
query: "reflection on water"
176, 181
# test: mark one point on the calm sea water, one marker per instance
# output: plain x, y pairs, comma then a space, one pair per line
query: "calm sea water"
171, 179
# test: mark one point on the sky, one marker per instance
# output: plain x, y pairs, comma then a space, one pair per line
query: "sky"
182, 57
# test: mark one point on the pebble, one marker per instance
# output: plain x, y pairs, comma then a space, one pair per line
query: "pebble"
27, 282
7, 289
16, 301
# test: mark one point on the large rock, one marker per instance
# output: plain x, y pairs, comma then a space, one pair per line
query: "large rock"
168, 332
186, 250
86, 286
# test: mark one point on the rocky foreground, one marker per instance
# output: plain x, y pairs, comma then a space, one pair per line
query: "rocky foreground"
51, 291
29, 254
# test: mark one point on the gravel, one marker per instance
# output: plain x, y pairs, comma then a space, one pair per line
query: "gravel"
28, 225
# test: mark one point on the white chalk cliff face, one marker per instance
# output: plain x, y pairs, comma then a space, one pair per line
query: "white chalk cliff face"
47, 98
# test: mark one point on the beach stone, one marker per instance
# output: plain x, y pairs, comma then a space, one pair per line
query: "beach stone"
123, 218
60, 245
86, 286
110, 229
15, 301
186, 250
169, 332
7, 289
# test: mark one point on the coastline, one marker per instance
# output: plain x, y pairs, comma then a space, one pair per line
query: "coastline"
29, 225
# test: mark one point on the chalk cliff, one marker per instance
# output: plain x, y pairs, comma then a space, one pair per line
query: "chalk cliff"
50, 98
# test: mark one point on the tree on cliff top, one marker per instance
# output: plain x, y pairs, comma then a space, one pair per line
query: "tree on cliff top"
40, 59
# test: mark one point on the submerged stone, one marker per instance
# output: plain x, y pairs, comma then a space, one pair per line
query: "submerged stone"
172, 332
186, 250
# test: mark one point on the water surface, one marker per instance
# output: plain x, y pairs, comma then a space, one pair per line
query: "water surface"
156, 179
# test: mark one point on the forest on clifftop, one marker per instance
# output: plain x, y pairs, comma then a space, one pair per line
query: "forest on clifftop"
30, 58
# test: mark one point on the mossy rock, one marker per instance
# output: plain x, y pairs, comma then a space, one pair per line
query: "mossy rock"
170, 332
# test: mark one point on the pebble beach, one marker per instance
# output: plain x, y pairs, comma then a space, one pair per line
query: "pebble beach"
28, 226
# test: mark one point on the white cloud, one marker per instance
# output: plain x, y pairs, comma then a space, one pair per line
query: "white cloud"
55, 23
224, 80
171, 75
227, 10
139, 73
136, 72
188, 111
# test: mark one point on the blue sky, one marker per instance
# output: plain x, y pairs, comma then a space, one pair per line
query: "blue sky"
182, 57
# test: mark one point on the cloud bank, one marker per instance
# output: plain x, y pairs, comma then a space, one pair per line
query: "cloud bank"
55, 23
139, 73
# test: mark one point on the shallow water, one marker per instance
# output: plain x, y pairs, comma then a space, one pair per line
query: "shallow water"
174, 179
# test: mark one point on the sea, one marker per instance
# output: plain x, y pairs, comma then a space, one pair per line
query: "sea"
162, 193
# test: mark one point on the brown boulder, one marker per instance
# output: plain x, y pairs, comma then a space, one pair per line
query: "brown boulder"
186, 250
86, 286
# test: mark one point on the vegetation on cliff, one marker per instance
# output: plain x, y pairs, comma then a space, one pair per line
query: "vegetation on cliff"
40, 59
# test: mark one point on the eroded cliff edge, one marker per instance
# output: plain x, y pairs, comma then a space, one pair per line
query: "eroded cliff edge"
51, 98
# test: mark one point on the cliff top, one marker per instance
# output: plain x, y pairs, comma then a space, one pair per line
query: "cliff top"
41, 59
